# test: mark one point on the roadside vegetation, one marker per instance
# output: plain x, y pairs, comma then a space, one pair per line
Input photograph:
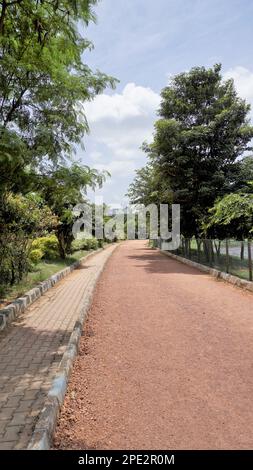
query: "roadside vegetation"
38, 272
44, 84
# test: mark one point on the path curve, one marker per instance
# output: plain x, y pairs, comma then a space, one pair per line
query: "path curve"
166, 360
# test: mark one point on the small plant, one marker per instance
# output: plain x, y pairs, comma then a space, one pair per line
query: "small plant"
48, 246
86, 244
36, 255
101, 243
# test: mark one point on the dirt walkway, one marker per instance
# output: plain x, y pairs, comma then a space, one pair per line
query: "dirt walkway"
166, 361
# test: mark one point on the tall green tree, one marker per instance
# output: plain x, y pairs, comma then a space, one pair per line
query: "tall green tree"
43, 83
203, 128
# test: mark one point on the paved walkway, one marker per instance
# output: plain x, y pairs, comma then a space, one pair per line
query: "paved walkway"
32, 348
166, 362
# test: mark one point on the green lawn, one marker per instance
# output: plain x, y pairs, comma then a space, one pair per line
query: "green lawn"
41, 272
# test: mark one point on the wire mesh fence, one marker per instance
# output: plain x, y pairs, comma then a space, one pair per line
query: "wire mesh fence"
230, 256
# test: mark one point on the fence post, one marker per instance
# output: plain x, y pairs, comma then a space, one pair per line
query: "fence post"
250, 261
190, 248
186, 247
206, 251
227, 256
210, 253
198, 246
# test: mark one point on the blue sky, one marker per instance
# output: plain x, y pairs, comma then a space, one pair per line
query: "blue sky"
143, 43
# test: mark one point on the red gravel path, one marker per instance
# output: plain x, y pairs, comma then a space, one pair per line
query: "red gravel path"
166, 360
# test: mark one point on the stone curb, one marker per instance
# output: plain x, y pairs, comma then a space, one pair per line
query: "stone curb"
236, 281
44, 429
9, 313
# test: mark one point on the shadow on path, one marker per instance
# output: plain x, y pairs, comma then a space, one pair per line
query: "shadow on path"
156, 262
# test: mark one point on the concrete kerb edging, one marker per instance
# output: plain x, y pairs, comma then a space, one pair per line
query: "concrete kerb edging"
9, 313
45, 427
236, 281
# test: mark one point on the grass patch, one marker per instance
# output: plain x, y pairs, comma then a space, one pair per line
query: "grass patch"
42, 271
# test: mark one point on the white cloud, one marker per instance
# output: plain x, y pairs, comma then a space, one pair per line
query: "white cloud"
119, 124
96, 156
118, 168
243, 79
134, 101
123, 121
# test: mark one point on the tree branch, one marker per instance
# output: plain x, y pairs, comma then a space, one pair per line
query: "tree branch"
15, 105
5, 5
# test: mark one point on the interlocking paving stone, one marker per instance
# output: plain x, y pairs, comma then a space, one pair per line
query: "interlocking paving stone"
31, 350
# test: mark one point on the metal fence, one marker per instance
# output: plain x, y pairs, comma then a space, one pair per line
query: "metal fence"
230, 256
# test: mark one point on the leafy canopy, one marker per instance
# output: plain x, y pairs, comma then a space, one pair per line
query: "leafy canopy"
43, 82
231, 216
203, 129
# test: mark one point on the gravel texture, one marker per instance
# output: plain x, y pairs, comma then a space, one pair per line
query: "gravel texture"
165, 360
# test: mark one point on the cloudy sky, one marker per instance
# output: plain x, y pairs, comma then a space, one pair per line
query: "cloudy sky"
143, 43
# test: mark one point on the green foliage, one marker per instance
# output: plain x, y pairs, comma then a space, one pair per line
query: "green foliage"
147, 188
231, 216
44, 85
42, 77
48, 246
21, 219
203, 129
27, 213
36, 255
244, 175
62, 189
86, 244
101, 243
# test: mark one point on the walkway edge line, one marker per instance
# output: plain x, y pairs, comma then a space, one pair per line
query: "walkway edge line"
236, 281
43, 433
9, 313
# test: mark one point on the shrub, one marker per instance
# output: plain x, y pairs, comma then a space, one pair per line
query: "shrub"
22, 218
77, 245
48, 245
101, 243
14, 262
85, 244
92, 244
36, 255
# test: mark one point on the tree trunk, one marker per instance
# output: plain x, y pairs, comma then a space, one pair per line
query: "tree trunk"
198, 247
13, 274
206, 250
211, 250
242, 250
2, 17
217, 247
62, 249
